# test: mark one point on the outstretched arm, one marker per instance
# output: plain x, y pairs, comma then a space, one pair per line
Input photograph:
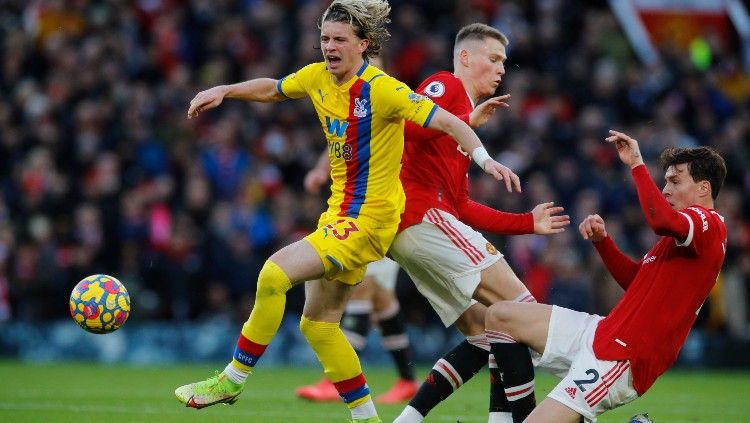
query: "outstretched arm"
446, 122
261, 89
544, 219
662, 218
485, 218
620, 266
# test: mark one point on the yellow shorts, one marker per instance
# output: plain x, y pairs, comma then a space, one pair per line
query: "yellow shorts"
346, 245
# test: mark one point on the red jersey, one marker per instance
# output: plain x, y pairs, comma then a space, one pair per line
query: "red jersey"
434, 171
665, 290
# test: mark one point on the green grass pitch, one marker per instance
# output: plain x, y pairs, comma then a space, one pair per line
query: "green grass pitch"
81, 393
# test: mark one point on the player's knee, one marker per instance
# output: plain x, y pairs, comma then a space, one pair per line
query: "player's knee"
499, 316
472, 321
272, 280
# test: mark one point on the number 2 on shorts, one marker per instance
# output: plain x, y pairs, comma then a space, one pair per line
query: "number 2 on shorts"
594, 377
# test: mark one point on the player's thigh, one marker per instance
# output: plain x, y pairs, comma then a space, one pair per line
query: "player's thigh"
325, 299
299, 260
527, 323
364, 290
498, 282
552, 411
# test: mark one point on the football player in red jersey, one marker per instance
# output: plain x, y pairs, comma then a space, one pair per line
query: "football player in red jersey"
605, 362
451, 263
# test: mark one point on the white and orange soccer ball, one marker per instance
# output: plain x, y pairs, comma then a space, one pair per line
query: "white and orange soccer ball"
100, 304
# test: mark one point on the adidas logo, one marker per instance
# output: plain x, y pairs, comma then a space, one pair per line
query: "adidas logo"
571, 391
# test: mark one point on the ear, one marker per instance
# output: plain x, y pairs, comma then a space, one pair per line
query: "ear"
704, 188
363, 44
463, 57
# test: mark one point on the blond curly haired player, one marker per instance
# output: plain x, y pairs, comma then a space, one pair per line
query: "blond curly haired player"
362, 113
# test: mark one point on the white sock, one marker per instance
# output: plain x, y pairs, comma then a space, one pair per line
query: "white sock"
409, 415
234, 374
500, 417
364, 411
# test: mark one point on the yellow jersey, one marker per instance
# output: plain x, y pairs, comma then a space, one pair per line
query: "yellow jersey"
363, 122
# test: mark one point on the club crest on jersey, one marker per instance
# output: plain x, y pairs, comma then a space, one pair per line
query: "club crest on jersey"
491, 249
435, 89
571, 391
359, 107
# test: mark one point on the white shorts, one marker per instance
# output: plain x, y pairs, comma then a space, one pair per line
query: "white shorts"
384, 272
589, 386
444, 258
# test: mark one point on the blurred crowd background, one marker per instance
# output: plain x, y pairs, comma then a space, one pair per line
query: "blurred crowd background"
101, 172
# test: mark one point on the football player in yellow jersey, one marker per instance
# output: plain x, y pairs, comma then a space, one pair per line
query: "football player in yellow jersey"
362, 112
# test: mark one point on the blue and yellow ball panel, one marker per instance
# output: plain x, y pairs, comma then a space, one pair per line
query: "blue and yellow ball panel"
100, 304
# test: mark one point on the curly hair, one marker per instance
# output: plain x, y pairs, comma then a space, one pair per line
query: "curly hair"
367, 17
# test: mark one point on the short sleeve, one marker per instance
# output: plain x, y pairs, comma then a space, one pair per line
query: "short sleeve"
297, 84
399, 101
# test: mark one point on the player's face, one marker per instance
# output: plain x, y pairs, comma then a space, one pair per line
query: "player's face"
342, 50
487, 65
680, 189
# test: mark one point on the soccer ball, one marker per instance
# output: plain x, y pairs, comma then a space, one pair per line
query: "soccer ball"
640, 418
100, 304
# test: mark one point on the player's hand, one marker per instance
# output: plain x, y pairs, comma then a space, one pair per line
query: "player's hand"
315, 179
548, 220
483, 112
503, 173
205, 100
592, 228
627, 148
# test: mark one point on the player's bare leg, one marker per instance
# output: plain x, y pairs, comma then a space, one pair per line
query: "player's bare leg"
498, 283
527, 323
552, 411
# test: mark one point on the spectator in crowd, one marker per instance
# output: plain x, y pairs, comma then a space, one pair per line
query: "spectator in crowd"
92, 129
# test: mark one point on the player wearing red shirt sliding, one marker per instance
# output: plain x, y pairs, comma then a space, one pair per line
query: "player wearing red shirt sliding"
606, 362
453, 265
